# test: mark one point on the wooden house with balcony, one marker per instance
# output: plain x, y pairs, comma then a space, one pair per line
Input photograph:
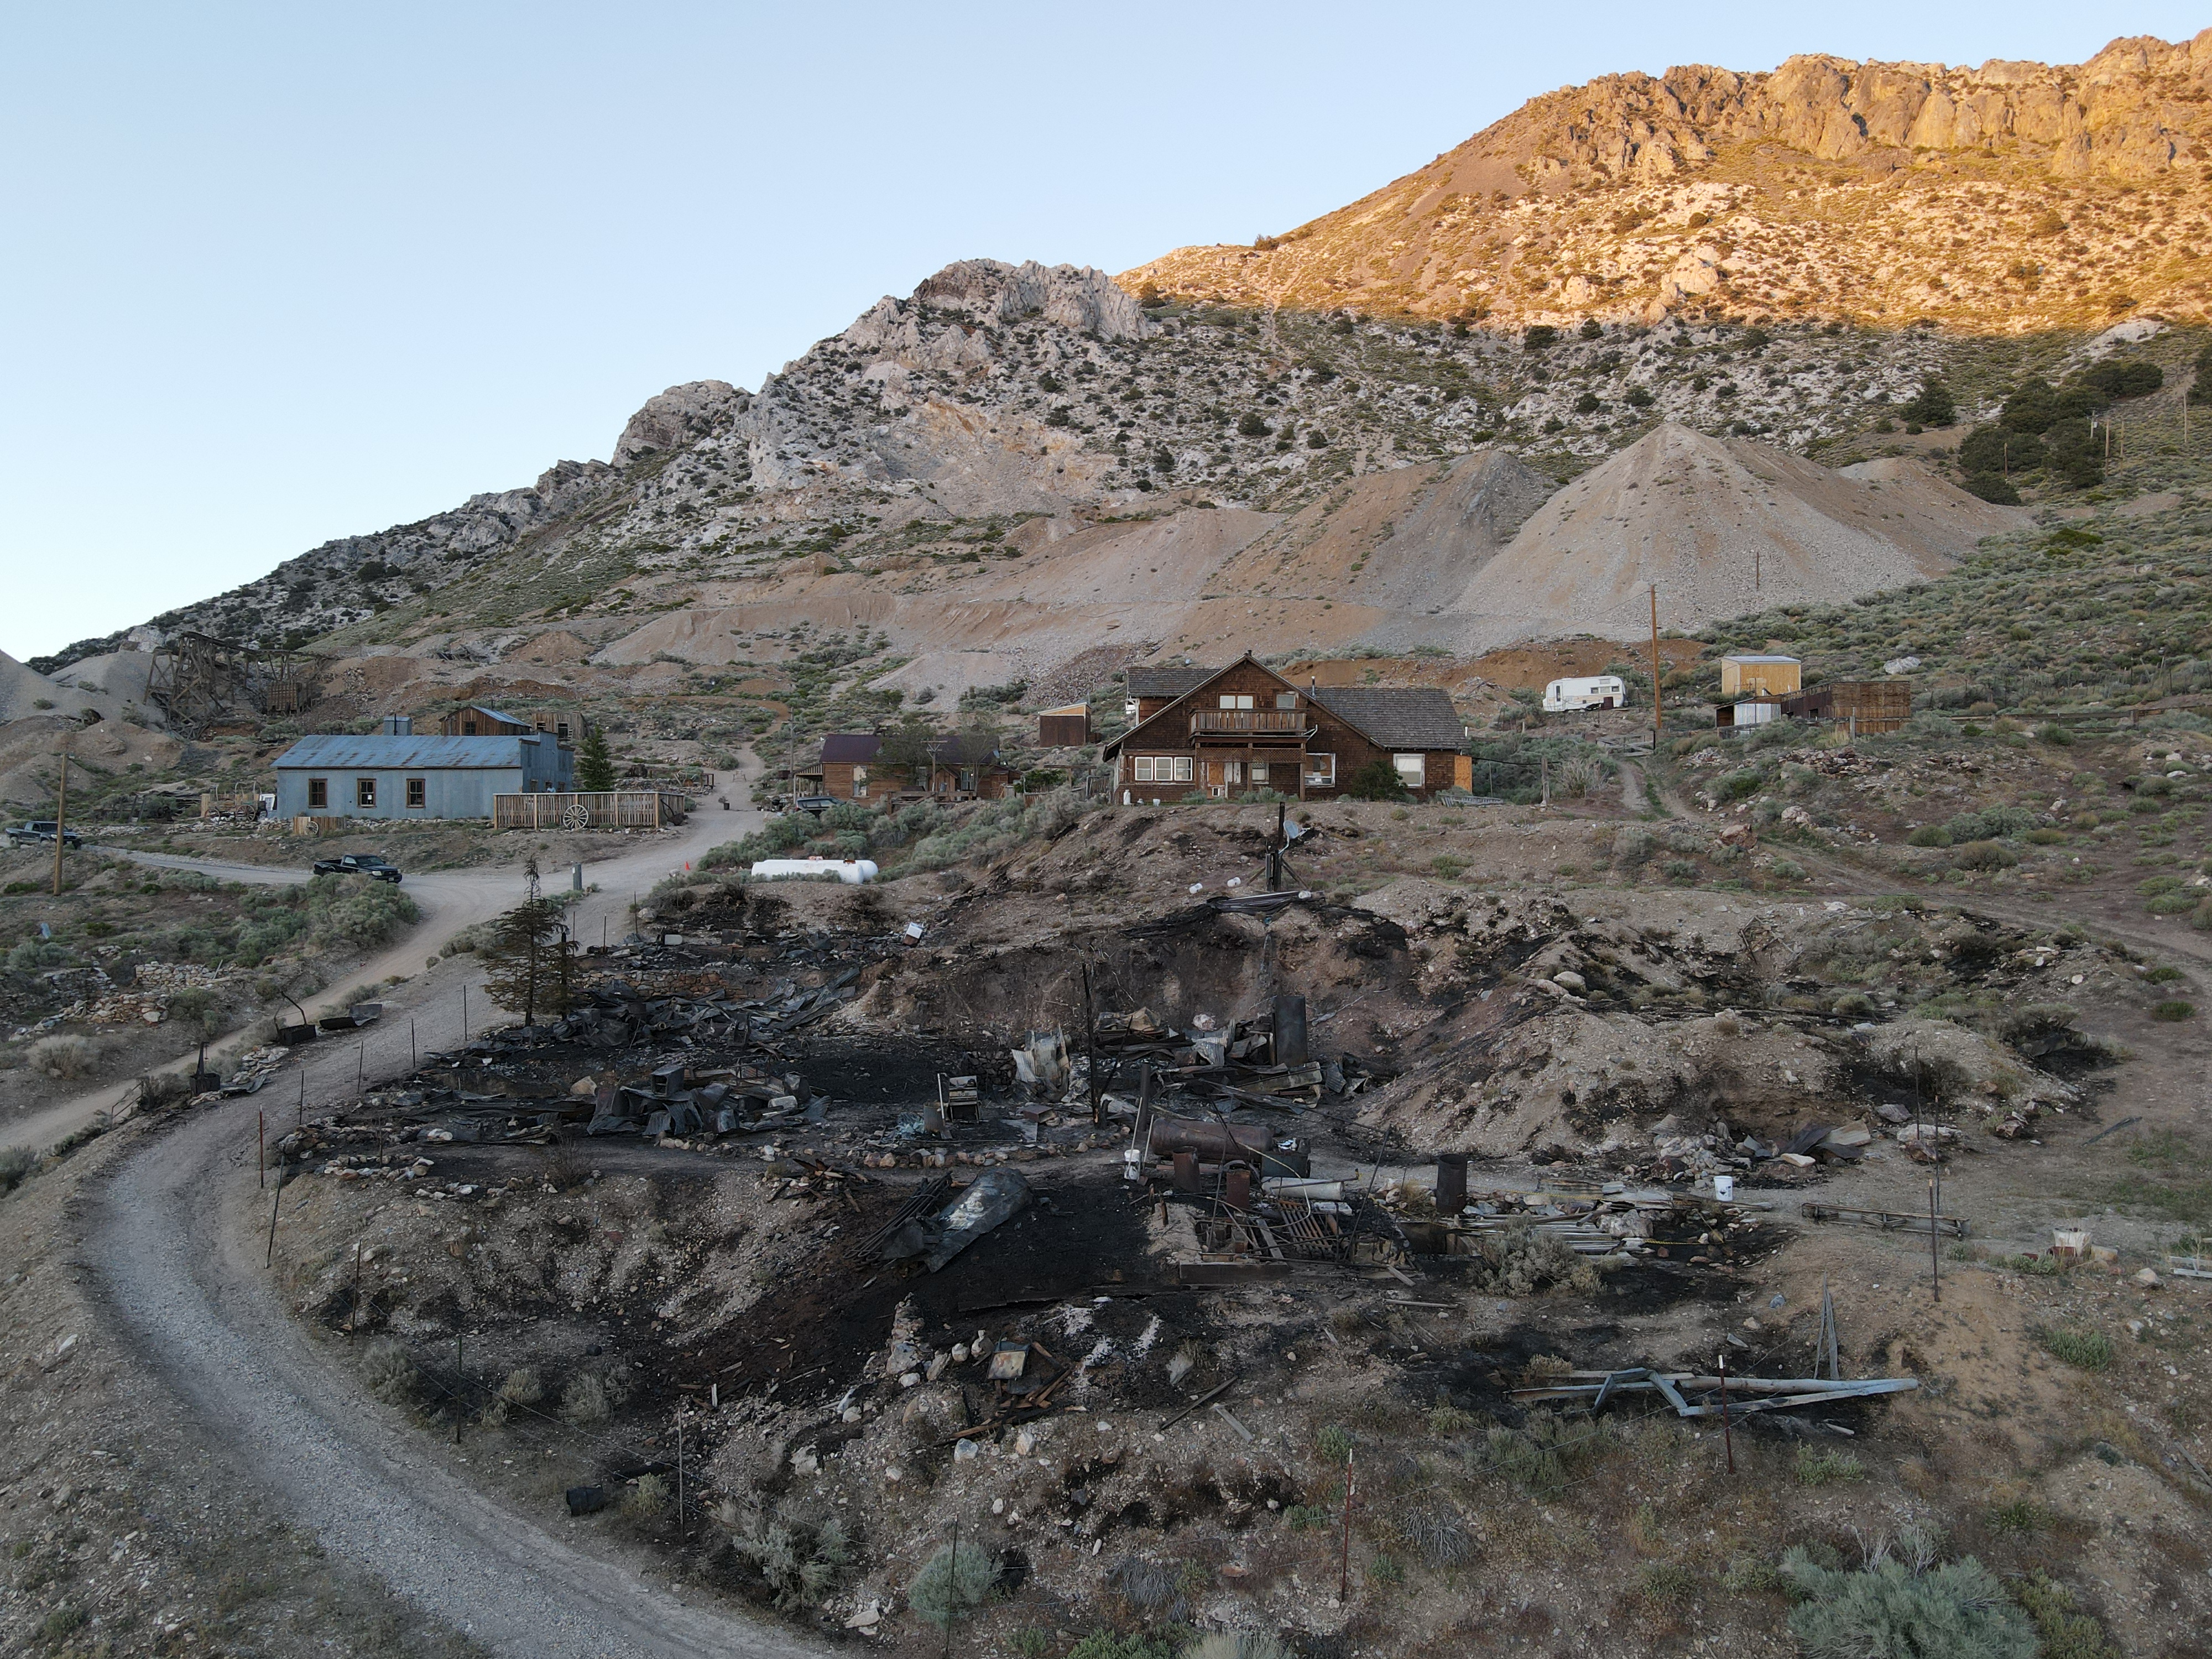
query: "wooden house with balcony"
1245, 727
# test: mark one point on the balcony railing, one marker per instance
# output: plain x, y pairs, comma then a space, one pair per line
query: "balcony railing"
1207, 722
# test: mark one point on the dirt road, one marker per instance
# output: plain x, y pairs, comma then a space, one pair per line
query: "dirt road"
432, 1010
172, 1239
171, 1247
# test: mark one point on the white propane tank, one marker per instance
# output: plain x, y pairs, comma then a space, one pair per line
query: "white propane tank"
851, 871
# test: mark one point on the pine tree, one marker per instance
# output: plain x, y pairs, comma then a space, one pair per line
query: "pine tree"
595, 763
528, 964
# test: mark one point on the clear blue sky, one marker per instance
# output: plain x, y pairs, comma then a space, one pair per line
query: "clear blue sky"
278, 274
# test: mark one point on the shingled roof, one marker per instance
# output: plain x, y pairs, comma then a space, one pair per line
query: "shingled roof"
1166, 682
1398, 717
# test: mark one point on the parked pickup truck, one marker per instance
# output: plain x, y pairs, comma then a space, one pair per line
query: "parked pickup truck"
357, 864
41, 830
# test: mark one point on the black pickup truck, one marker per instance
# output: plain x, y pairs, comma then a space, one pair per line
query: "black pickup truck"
41, 831
357, 864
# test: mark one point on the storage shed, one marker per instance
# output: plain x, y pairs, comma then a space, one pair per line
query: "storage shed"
397, 774
1065, 728
1761, 675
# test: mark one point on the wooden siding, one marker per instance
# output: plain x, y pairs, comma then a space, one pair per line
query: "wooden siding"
610, 809
1222, 744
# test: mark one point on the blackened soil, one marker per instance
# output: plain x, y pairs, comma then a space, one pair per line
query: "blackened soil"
813, 1334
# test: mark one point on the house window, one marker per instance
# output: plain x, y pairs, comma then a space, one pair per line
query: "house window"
468, 728
364, 791
1233, 700
1182, 769
1286, 700
1232, 771
1258, 774
563, 733
1320, 771
1142, 772
1412, 770
860, 783
418, 792
319, 794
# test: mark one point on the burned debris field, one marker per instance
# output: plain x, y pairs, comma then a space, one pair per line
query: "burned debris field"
1108, 1230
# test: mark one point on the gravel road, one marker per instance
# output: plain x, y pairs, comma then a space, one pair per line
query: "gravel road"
179, 1268
174, 1236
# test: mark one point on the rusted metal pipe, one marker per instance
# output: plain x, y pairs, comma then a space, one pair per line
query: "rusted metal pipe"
1214, 1143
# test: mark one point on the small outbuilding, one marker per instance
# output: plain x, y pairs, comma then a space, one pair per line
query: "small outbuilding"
394, 774
1065, 728
1760, 674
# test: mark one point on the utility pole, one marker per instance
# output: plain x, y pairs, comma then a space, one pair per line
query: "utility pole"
61, 816
1655, 670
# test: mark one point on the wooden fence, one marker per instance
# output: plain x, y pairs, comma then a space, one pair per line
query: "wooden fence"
610, 809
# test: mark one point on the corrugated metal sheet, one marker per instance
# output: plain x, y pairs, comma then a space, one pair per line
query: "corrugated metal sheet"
420, 752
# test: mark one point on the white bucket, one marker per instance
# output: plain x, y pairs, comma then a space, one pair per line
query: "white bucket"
1725, 1188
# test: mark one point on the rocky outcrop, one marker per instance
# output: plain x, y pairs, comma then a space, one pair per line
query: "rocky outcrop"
1566, 207
680, 415
1077, 298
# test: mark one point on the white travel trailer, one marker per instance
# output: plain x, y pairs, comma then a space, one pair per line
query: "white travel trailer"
1597, 691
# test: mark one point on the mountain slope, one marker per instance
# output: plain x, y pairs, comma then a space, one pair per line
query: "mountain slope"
1722, 527
1017, 468
2008, 197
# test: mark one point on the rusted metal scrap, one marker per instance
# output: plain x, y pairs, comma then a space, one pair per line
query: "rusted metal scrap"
1691, 1396
915, 1235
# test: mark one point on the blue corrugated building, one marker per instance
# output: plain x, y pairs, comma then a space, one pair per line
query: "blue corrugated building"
397, 774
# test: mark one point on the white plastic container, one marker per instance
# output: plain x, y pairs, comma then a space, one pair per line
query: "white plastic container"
851, 871
1725, 1188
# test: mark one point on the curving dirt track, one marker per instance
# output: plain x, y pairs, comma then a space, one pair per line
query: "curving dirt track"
178, 1269
171, 1259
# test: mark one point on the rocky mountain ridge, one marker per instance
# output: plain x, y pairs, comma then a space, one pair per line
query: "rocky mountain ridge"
999, 409
2010, 197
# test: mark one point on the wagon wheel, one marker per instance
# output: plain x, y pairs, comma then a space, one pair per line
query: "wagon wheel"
576, 816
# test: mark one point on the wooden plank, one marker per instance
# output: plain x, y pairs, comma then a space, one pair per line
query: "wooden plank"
1227, 1272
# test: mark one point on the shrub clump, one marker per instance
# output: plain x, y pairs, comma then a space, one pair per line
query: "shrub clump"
64, 1056
2089, 1350
1540, 1455
1828, 1468
1896, 1607
519, 1387
953, 1584
2066, 1632
795, 1562
388, 1372
16, 1163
